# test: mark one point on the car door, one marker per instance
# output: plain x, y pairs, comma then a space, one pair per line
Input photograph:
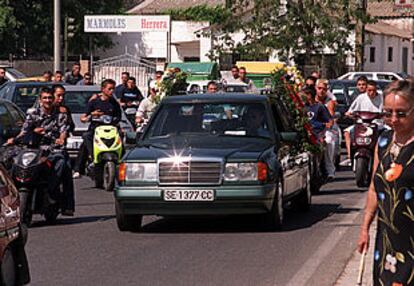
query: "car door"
290, 162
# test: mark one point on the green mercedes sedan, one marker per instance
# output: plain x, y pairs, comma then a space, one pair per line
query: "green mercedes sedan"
223, 154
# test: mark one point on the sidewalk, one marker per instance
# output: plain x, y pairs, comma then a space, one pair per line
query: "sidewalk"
350, 274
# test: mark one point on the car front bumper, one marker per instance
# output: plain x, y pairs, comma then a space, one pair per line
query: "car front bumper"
228, 200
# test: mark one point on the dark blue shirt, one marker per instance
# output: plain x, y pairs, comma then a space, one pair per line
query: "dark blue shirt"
119, 90
318, 115
108, 107
131, 95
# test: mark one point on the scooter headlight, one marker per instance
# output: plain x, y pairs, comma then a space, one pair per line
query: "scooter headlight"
28, 158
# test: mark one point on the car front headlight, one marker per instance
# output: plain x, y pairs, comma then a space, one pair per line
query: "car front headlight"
28, 158
235, 172
146, 172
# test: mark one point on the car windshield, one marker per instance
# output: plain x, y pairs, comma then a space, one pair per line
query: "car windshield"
77, 101
217, 119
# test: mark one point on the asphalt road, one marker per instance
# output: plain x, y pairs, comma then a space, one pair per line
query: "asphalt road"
88, 249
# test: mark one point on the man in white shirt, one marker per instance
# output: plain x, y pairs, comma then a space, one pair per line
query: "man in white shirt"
369, 101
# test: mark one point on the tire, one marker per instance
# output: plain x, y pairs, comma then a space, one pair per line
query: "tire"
51, 213
98, 175
304, 199
8, 269
127, 222
109, 176
274, 219
25, 211
362, 174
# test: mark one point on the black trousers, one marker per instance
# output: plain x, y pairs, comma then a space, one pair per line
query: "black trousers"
62, 176
85, 150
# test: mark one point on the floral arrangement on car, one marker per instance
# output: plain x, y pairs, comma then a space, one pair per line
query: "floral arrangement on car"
174, 82
286, 83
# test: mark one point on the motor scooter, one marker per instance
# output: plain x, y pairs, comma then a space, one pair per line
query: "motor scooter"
366, 133
31, 171
107, 152
130, 109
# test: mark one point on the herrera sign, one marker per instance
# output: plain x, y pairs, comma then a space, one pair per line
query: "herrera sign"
120, 23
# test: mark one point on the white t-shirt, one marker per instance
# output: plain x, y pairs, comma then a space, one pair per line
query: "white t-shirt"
364, 103
146, 107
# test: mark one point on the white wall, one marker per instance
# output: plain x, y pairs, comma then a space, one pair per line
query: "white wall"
381, 44
154, 44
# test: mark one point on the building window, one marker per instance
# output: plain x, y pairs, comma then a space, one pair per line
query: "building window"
372, 54
390, 54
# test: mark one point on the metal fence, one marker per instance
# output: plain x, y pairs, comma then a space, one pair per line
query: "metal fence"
143, 70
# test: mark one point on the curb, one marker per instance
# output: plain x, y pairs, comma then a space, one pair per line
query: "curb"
349, 275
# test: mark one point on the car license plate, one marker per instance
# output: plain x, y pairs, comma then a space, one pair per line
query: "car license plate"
189, 195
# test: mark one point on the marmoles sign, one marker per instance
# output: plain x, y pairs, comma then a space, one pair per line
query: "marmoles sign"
117, 23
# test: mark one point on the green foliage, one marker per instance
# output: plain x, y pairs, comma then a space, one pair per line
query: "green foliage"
214, 15
304, 26
26, 26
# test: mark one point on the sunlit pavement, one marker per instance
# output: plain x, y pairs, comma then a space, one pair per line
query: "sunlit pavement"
88, 249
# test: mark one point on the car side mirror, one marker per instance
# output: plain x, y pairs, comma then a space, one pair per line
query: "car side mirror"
131, 138
290, 137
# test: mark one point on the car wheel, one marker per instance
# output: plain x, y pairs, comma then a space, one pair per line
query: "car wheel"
25, 211
274, 219
304, 199
8, 269
127, 222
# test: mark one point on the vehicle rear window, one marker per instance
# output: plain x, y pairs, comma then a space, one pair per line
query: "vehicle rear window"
26, 96
77, 101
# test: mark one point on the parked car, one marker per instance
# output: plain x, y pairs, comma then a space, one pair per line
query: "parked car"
14, 269
195, 159
388, 76
11, 120
23, 94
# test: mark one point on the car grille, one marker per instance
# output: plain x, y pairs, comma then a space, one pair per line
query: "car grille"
190, 172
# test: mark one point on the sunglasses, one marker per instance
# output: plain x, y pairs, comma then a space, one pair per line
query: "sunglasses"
398, 114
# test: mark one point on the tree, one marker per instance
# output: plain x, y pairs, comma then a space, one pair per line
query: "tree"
26, 26
289, 27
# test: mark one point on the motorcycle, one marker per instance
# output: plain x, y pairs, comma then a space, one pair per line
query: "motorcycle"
366, 133
130, 109
31, 171
107, 152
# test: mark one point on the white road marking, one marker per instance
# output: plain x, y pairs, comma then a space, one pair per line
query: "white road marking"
308, 269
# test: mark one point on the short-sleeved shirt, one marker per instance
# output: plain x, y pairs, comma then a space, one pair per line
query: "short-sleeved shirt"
364, 103
131, 95
108, 107
146, 107
119, 90
54, 123
318, 115
72, 79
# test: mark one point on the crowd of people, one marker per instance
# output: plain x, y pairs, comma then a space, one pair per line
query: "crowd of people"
390, 194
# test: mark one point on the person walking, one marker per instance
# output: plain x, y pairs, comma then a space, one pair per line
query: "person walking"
391, 193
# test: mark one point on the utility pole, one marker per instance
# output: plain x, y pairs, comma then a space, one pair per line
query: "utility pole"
56, 42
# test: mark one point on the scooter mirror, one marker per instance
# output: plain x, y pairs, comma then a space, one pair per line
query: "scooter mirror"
130, 138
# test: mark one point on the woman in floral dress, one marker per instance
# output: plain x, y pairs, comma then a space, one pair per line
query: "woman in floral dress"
391, 194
